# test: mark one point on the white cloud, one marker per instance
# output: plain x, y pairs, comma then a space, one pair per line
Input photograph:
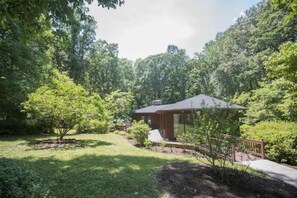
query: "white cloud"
143, 27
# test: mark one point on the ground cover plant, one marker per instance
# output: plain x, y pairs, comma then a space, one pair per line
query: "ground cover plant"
17, 181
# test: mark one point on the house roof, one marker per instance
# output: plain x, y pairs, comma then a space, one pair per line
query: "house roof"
150, 109
199, 102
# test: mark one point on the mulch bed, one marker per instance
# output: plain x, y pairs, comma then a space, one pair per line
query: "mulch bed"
177, 151
55, 143
163, 149
200, 180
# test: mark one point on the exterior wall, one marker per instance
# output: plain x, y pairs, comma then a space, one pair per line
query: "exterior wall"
169, 125
164, 121
155, 119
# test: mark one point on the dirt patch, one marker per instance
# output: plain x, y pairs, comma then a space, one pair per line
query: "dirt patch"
199, 180
55, 143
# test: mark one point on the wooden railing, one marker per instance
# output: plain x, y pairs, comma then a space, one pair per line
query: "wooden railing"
254, 147
242, 145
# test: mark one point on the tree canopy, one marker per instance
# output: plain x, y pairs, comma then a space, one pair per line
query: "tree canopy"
251, 63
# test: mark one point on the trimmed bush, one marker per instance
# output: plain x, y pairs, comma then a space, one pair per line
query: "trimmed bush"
280, 139
17, 181
139, 131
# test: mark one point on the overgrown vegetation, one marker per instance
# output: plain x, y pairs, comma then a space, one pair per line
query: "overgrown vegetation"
18, 181
280, 139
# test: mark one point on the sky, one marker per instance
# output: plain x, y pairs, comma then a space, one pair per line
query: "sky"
146, 27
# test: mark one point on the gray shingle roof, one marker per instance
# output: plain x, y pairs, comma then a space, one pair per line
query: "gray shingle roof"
199, 102
150, 109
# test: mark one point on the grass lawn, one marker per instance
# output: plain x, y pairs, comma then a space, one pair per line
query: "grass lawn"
104, 166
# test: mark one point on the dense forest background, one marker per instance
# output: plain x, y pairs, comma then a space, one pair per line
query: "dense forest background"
252, 63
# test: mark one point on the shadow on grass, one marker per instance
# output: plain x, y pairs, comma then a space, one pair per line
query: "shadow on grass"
25, 137
99, 176
66, 145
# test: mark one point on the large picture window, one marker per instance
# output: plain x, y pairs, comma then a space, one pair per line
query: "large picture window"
183, 123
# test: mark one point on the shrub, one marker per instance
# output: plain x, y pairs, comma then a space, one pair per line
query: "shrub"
17, 181
129, 136
116, 132
280, 139
148, 144
92, 126
67, 105
139, 131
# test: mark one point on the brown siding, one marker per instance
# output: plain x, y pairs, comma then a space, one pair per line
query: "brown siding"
155, 121
169, 125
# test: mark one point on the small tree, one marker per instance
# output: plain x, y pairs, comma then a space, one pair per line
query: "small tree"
62, 102
215, 130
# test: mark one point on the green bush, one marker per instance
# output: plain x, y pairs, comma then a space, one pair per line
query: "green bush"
139, 131
280, 139
128, 135
67, 105
92, 126
17, 181
148, 144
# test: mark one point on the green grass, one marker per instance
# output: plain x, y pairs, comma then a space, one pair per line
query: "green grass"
104, 166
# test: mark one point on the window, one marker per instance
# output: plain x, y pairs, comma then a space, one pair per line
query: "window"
183, 123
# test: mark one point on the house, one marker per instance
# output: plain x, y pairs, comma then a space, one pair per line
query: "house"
173, 119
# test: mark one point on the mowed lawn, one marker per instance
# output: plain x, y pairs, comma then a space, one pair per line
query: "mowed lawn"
105, 165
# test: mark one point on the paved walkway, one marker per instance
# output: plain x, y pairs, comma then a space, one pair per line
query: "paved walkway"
284, 173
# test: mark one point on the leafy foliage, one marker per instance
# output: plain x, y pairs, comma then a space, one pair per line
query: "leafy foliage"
288, 6
119, 104
281, 66
35, 37
18, 181
139, 131
280, 139
215, 130
65, 104
96, 116
157, 77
